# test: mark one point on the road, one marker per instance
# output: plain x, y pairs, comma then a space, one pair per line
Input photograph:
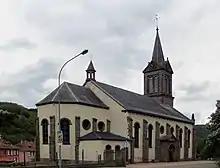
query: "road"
192, 164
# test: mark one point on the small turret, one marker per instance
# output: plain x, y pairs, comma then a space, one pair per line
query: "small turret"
90, 72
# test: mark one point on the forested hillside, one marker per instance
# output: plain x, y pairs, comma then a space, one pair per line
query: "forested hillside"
201, 136
17, 122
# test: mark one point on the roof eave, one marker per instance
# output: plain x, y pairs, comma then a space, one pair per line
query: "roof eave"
157, 115
104, 139
80, 103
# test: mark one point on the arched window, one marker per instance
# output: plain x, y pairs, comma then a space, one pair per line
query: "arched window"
161, 129
150, 135
171, 130
189, 134
136, 134
45, 124
181, 137
117, 148
108, 147
65, 127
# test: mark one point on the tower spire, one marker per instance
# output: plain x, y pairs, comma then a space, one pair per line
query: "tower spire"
157, 55
158, 74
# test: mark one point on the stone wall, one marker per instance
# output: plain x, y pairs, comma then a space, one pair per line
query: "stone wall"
94, 124
167, 129
37, 141
108, 126
186, 149
157, 142
52, 140
77, 136
130, 135
145, 147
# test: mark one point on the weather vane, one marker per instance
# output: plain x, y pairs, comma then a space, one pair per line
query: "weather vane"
156, 19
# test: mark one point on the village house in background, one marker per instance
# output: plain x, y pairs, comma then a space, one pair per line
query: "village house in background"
99, 119
8, 152
26, 151
21, 152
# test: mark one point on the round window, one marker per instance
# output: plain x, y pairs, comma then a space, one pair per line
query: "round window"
162, 129
86, 124
101, 126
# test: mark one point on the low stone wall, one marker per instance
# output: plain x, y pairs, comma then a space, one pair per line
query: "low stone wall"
85, 165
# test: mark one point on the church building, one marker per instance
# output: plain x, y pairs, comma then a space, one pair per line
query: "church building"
97, 117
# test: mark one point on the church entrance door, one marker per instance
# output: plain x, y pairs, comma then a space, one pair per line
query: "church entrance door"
171, 152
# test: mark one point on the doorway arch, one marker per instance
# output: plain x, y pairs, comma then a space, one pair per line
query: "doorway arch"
171, 153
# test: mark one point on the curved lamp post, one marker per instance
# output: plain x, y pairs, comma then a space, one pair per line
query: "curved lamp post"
82, 53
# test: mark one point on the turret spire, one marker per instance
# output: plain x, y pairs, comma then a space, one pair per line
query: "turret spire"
90, 71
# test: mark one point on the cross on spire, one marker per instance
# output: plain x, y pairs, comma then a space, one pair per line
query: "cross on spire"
156, 19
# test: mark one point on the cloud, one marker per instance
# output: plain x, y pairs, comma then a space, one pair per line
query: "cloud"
27, 86
18, 43
113, 39
120, 36
194, 91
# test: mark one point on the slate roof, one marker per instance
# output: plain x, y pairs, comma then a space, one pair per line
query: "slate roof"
103, 136
7, 145
168, 138
73, 94
142, 104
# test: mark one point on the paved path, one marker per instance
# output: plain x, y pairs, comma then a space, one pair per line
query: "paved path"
192, 164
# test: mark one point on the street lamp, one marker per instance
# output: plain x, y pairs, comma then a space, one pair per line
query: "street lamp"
82, 53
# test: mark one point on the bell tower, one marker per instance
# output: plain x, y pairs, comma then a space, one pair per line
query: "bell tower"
158, 75
90, 72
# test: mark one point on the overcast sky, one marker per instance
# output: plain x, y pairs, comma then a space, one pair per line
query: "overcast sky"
37, 36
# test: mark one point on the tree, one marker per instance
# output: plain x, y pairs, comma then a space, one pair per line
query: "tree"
212, 145
202, 133
17, 122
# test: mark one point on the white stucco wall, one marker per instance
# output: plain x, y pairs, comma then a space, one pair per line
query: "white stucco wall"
70, 111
